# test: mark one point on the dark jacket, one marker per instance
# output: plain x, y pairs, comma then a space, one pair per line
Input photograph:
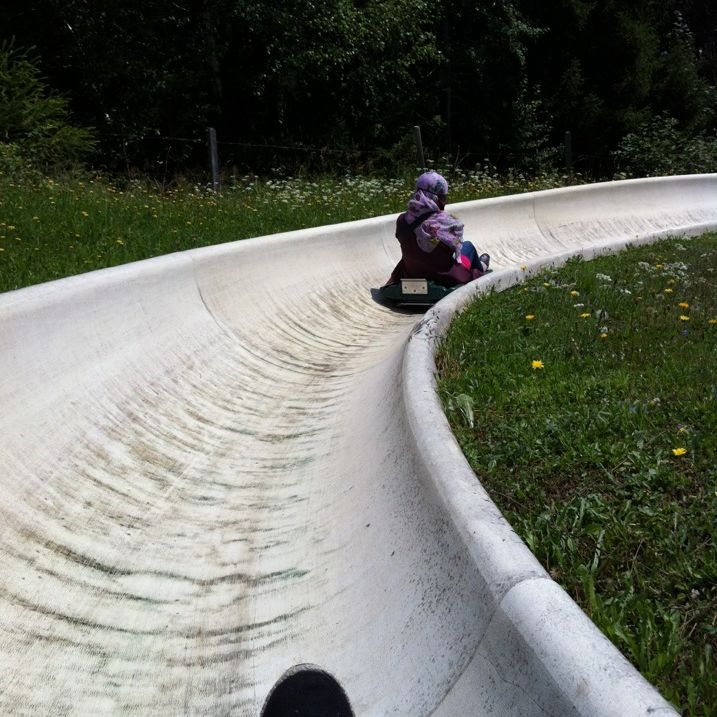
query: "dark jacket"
438, 265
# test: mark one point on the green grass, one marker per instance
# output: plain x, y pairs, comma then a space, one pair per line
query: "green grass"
604, 459
51, 228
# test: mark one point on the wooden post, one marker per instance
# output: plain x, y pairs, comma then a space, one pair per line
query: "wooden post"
419, 146
213, 157
569, 152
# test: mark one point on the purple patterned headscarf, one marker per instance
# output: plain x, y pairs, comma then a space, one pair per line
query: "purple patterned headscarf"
441, 227
429, 187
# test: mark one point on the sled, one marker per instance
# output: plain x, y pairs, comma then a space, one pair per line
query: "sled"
416, 291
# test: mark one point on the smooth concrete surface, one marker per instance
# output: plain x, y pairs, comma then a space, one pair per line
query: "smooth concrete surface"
215, 468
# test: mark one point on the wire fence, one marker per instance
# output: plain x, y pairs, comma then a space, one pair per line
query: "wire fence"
213, 160
166, 156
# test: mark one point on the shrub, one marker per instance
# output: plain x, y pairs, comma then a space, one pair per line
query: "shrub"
660, 148
35, 122
11, 162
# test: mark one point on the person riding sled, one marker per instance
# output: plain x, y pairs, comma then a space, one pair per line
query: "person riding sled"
431, 239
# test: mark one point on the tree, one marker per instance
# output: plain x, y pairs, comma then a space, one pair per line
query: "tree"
680, 90
330, 72
139, 70
485, 76
607, 68
35, 123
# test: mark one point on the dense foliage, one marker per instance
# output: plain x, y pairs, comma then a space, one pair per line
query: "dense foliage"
502, 80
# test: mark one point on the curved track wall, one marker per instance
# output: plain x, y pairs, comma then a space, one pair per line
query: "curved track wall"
209, 475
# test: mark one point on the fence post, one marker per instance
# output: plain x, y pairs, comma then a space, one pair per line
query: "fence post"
419, 146
213, 157
569, 152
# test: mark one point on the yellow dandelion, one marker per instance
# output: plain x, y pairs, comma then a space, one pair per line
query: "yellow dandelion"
585, 316
603, 335
529, 317
659, 266
546, 285
574, 293
683, 305
680, 451
712, 321
671, 281
537, 364
681, 429
684, 318
120, 242
668, 290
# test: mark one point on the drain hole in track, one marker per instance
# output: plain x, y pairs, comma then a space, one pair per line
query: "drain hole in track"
307, 691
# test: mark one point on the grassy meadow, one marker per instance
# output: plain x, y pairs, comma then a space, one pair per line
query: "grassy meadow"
52, 228
585, 399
